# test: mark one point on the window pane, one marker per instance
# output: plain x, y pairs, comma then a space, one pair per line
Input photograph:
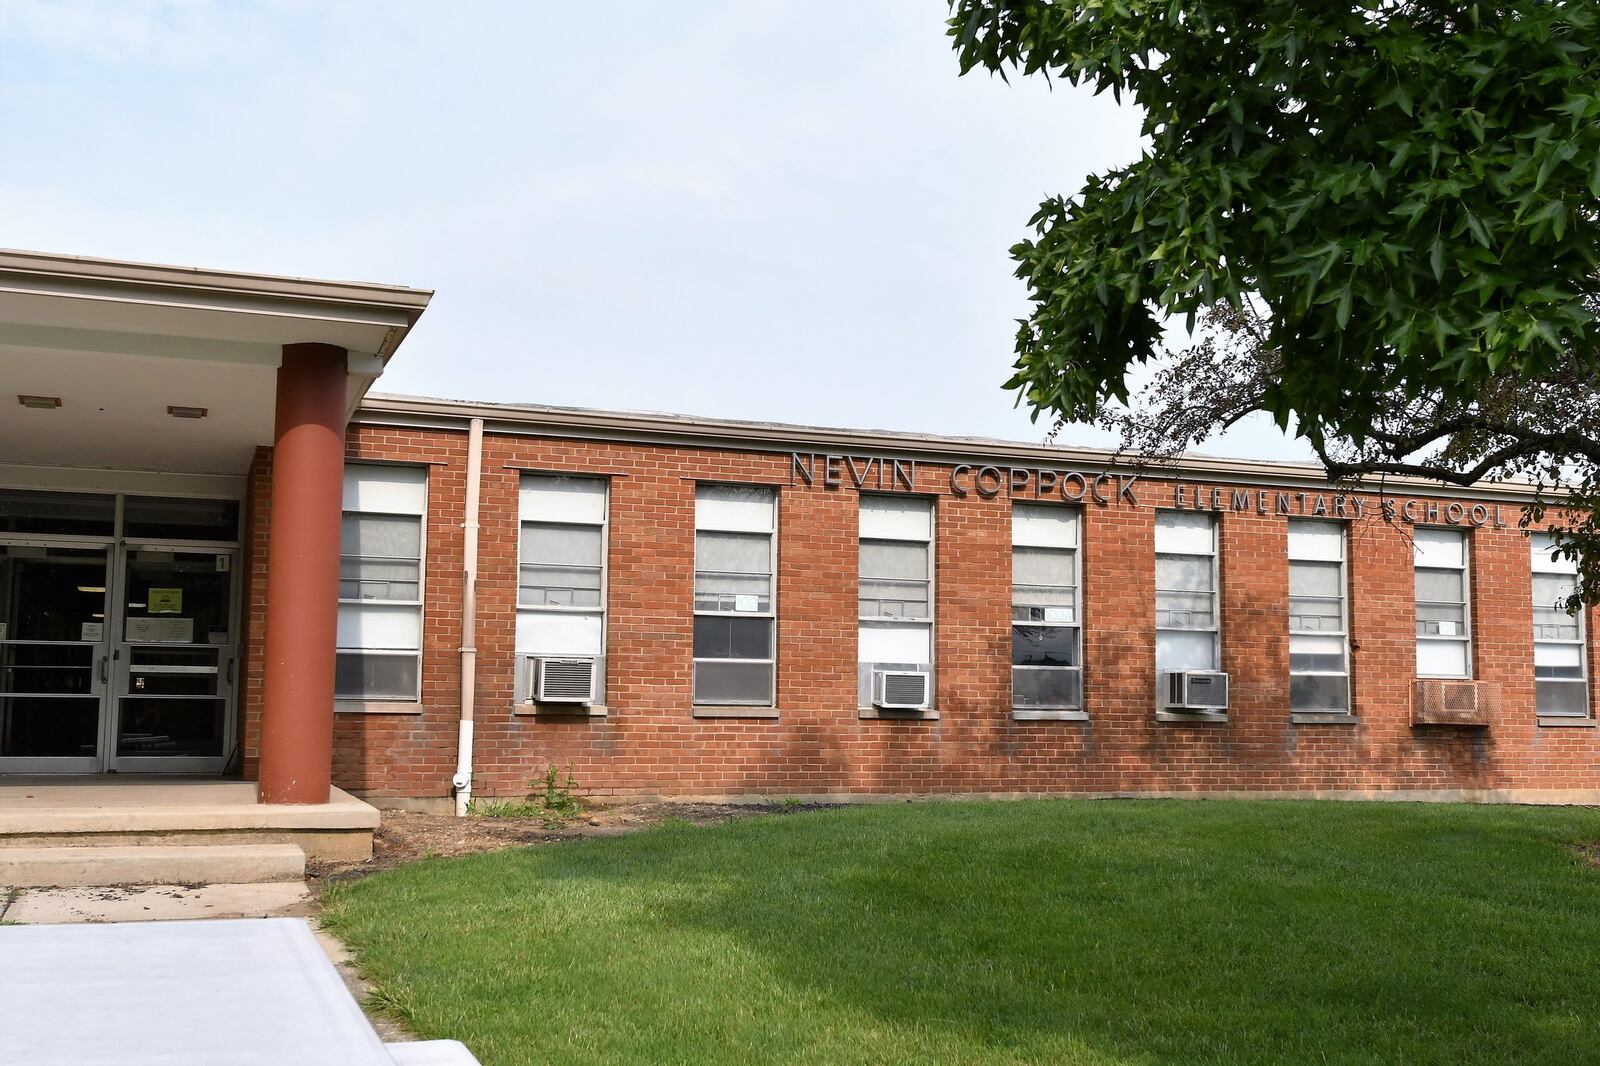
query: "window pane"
1315, 616
1316, 654
732, 592
1041, 566
1442, 658
896, 517
1441, 620
379, 626
1314, 579
1185, 651
558, 498
381, 536
372, 677
381, 488
742, 507
1044, 525
1047, 689
159, 517
1319, 693
1038, 603
733, 683
1178, 532
894, 560
718, 637
1187, 573
1544, 559
1552, 590
1441, 585
894, 599
1316, 540
558, 586
1185, 610
1554, 625
378, 579
551, 544
1557, 661
1439, 547
1561, 697
1044, 646
76, 513
743, 553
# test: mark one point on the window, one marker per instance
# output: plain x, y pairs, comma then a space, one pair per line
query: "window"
1319, 670
1186, 592
733, 595
1444, 643
379, 655
561, 574
896, 588
1045, 663
1559, 675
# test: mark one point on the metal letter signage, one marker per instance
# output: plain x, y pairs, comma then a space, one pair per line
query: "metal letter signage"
987, 481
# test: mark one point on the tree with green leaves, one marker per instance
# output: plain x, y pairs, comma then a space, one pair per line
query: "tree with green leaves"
1383, 215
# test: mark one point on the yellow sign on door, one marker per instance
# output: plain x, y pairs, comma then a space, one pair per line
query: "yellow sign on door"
165, 601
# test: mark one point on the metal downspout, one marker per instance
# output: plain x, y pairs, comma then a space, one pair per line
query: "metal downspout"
469, 618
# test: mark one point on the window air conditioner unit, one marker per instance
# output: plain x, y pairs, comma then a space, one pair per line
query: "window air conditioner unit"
1194, 690
901, 690
1442, 701
563, 680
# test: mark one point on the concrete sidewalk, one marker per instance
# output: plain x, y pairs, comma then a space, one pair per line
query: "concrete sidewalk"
154, 903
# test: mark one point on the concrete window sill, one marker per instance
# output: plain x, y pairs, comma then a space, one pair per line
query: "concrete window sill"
1191, 717
376, 707
1053, 714
558, 710
1556, 721
928, 715
719, 711
1322, 718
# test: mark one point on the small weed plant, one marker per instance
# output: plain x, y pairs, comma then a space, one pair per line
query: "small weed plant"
550, 799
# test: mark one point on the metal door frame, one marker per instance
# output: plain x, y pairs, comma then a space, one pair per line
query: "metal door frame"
121, 660
99, 661
108, 679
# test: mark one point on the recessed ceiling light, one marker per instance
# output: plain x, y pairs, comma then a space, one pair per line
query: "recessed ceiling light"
42, 403
186, 412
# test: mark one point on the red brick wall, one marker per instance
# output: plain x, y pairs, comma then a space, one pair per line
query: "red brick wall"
650, 742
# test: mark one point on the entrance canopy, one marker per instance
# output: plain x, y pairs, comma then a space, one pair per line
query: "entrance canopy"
131, 366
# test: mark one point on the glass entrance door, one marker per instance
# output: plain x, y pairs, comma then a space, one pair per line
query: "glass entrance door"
173, 661
53, 656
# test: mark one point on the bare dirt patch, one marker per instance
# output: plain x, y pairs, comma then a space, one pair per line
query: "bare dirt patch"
407, 836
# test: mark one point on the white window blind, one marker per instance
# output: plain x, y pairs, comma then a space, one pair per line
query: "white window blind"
1045, 634
1319, 672
561, 572
895, 587
1187, 631
735, 619
379, 641
1444, 640
1560, 667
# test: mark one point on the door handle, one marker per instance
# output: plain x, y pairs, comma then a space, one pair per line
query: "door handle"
104, 661
230, 669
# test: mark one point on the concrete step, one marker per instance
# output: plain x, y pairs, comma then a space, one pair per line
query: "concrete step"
154, 864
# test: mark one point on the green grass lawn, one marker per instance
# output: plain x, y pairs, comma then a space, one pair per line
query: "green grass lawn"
1049, 931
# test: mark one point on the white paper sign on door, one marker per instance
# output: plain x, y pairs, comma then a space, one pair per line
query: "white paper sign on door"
93, 631
160, 630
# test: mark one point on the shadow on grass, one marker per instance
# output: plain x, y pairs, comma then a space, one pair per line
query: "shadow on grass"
1054, 931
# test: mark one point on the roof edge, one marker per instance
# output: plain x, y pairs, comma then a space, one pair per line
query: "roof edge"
88, 268
774, 436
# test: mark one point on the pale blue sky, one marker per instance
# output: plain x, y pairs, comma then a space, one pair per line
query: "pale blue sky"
746, 208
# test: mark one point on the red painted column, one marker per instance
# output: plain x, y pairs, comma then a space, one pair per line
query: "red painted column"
303, 575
